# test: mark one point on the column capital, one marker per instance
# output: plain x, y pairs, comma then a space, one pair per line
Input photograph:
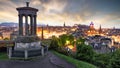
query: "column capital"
26, 15
20, 15
35, 15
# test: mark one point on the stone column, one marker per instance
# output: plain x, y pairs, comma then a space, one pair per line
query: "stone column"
26, 54
10, 52
20, 25
42, 51
31, 25
35, 24
26, 25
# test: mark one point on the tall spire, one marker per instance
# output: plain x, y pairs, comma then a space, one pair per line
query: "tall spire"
100, 30
64, 24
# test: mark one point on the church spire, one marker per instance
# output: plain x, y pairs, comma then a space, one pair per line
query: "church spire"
64, 24
100, 30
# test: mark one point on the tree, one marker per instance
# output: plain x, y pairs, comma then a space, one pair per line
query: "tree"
110, 60
80, 41
102, 60
85, 52
62, 39
115, 60
54, 43
71, 39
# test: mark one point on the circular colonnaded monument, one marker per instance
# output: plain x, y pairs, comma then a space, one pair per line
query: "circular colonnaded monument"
27, 44
29, 30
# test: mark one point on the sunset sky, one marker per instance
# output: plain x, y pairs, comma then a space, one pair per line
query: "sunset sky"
55, 12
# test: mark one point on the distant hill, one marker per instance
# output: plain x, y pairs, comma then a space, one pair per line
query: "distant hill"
13, 24
9, 24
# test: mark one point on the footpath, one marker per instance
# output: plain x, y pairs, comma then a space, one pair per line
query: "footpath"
48, 61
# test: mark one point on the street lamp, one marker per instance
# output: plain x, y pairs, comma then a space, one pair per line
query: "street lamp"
67, 42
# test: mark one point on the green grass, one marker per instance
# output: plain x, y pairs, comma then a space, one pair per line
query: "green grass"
3, 56
77, 63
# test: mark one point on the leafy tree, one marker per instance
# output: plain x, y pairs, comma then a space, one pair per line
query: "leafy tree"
63, 39
71, 39
115, 60
111, 60
85, 52
80, 41
102, 60
54, 43
59, 44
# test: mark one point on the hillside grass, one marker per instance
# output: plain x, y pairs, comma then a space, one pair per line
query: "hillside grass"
77, 63
3, 56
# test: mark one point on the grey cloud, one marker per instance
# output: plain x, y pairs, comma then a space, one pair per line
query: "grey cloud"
69, 10
45, 1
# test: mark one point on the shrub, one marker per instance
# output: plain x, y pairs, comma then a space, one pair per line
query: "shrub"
85, 53
115, 60
62, 50
102, 60
111, 60
54, 43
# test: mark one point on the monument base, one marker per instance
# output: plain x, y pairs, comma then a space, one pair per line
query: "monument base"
27, 46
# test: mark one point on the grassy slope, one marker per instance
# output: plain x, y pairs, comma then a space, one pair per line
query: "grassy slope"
77, 63
3, 56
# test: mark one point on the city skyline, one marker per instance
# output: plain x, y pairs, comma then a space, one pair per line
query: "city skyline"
55, 12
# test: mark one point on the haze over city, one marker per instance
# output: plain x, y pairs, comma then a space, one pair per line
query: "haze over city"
55, 12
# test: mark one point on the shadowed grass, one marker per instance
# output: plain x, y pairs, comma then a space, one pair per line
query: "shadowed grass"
3, 56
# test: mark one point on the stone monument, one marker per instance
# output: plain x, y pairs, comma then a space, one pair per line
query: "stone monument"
27, 33
27, 44
30, 29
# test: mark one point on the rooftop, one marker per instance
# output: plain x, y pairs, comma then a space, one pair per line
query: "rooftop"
27, 7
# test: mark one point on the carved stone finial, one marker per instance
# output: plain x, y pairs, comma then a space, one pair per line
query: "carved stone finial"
27, 4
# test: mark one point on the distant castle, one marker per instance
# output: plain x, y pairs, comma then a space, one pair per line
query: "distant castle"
92, 31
